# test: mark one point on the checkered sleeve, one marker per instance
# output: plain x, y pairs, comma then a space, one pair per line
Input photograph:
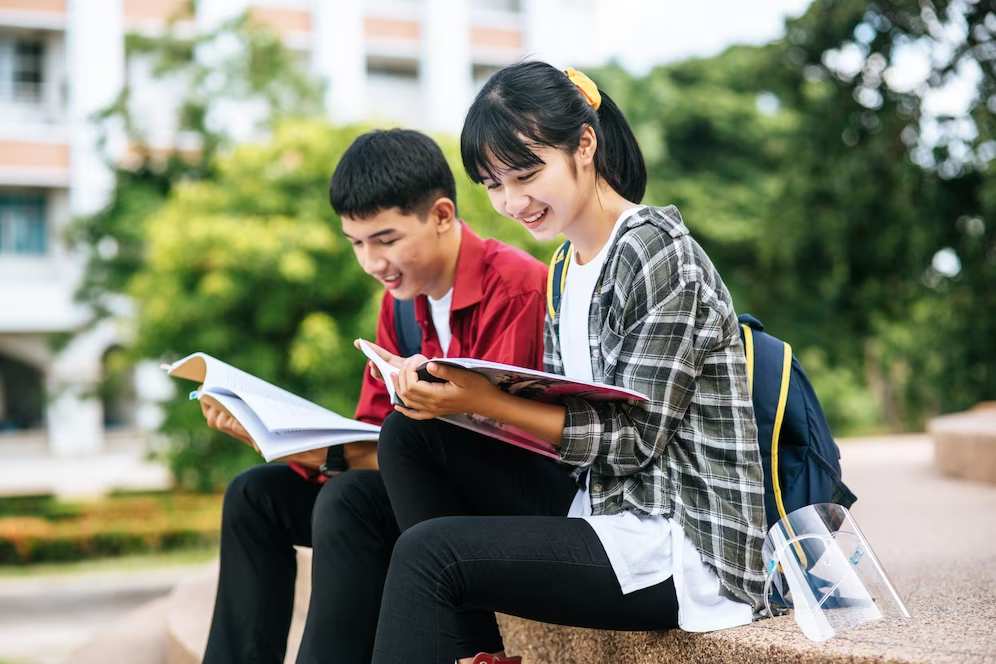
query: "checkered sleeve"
660, 355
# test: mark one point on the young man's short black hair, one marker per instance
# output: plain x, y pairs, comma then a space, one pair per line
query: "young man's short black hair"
393, 168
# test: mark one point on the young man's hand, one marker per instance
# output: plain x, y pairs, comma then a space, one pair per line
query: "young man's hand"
312, 459
395, 361
219, 419
361, 455
358, 455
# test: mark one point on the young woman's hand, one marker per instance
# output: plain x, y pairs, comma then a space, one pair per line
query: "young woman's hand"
462, 392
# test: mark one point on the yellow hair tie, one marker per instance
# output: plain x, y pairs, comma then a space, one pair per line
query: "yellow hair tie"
586, 86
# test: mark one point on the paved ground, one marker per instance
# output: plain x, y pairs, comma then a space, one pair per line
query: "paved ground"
43, 619
935, 536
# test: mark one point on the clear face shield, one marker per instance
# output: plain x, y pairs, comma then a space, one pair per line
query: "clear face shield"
821, 565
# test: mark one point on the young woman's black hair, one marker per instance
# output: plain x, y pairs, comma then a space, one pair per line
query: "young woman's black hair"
533, 103
394, 168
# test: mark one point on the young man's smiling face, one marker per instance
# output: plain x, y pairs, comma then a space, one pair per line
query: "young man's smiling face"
407, 253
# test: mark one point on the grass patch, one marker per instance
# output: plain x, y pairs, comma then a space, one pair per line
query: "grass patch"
146, 561
40, 529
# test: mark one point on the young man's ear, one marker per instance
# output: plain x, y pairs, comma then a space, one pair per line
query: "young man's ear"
442, 214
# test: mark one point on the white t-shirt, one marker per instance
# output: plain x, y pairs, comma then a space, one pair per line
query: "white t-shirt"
440, 310
643, 550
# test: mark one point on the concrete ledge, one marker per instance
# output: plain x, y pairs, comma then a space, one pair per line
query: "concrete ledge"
965, 443
138, 638
934, 536
191, 606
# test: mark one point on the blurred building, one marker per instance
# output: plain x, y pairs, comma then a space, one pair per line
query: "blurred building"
413, 62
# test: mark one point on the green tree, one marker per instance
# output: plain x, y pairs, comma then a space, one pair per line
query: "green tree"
251, 266
879, 187
247, 266
256, 72
824, 196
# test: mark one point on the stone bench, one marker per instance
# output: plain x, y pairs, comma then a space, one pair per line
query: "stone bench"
965, 443
935, 536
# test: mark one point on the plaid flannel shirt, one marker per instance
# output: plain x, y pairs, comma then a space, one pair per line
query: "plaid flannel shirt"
662, 322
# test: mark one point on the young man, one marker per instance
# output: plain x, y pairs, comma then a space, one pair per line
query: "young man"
396, 197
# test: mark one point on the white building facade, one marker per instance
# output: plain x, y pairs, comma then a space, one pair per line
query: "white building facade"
411, 62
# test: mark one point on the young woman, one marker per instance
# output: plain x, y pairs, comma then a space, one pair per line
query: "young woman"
668, 494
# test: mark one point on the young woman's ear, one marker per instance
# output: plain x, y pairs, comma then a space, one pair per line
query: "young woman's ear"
442, 214
586, 147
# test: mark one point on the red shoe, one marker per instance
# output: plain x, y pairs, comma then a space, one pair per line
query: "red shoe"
485, 658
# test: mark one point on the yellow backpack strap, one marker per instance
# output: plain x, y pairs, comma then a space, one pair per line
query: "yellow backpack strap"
557, 277
779, 416
749, 352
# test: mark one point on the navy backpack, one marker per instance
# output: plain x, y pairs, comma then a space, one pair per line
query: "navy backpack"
800, 457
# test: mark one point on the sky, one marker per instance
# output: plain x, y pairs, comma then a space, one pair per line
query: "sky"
671, 30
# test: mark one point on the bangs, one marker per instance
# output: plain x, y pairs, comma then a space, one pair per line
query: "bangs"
495, 140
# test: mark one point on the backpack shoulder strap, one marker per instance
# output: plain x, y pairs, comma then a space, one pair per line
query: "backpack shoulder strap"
406, 328
557, 277
783, 391
748, 336
769, 371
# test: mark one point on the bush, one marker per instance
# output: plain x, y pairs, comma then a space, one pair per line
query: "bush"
115, 526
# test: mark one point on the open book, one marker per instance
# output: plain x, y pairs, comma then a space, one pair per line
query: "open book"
279, 422
517, 381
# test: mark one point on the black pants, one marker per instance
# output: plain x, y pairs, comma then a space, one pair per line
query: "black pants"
349, 526
483, 531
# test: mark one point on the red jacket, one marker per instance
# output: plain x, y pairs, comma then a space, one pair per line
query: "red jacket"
497, 312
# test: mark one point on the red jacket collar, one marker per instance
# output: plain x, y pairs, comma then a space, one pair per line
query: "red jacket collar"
469, 270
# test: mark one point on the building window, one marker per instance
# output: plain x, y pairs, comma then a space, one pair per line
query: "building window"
22, 67
22, 225
481, 73
21, 396
393, 90
395, 68
499, 5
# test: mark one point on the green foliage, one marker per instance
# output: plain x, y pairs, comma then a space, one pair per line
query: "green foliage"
815, 194
250, 266
811, 187
51, 531
240, 63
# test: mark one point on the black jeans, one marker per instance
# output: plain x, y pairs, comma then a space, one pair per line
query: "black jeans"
349, 526
484, 531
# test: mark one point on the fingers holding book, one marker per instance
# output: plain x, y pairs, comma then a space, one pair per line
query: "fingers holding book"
381, 359
434, 389
219, 419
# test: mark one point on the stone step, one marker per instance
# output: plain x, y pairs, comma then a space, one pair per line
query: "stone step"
965, 443
934, 535
188, 620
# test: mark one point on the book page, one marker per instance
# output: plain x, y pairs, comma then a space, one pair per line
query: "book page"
274, 445
386, 370
540, 385
278, 409
503, 432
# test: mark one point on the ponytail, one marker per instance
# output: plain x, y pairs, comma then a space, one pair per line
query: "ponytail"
533, 103
622, 164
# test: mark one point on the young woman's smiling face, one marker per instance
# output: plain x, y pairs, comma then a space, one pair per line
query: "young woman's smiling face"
546, 198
